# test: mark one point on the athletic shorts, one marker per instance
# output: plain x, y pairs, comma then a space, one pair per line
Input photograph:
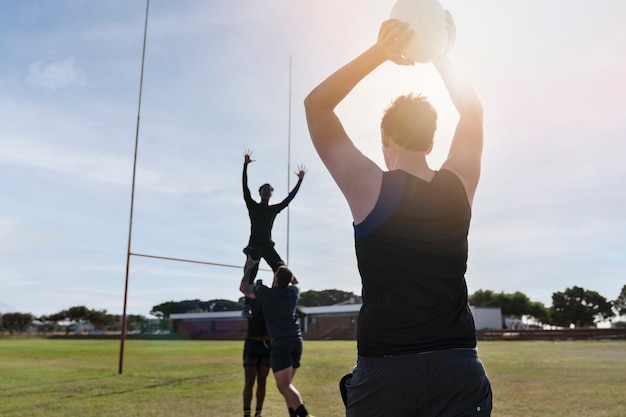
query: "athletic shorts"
266, 252
286, 352
446, 383
256, 352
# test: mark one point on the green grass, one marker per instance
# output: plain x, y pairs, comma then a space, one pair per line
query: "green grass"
66, 378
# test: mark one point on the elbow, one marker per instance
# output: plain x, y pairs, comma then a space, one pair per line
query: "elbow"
311, 111
472, 110
309, 100
474, 106
309, 107
314, 101
478, 108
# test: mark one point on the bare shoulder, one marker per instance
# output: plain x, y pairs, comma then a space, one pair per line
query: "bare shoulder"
358, 178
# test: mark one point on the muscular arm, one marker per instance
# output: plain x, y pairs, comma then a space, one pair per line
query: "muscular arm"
464, 156
357, 176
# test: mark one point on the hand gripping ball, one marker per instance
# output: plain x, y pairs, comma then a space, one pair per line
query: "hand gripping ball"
427, 18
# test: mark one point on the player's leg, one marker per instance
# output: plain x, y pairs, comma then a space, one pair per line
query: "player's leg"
250, 269
289, 392
248, 388
250, 375
296, 356
285, 360
263, 371
272, 258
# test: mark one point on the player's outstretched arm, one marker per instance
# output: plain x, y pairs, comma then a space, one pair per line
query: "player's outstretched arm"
357, 176
464, 156
294, 191
247, 159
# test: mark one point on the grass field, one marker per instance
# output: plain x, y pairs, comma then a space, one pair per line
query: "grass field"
65, 378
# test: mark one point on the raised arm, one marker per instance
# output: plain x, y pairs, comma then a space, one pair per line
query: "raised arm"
357, 176
296, 188
244, 176
464, 156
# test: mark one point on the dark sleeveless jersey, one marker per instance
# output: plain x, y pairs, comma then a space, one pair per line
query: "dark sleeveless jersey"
412, 257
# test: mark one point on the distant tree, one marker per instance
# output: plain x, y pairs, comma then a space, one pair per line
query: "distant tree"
133, 322
579, 307
314, 298
222, 305
188, 306
164, 310
51, 322
47, 325
619, 304
100, 319
17, 322
55, 317
512, 304
78, 314
515, 304
484, 298
539, 311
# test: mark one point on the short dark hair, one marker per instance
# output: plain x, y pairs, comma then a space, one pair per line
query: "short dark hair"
410, 121
266, 185
283, 276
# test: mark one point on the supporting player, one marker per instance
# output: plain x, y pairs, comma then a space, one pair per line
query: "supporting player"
279, 307
256, 359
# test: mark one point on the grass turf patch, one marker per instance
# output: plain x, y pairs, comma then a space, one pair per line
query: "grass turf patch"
79, 378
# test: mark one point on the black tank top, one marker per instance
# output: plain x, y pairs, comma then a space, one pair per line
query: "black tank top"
412, 257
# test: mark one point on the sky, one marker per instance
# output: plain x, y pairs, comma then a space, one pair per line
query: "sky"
224, 76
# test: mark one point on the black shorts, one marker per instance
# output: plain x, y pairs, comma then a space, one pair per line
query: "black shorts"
265, 251
286, 352
446, 383
256, 352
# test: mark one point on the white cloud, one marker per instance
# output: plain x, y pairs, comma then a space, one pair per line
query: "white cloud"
55, 75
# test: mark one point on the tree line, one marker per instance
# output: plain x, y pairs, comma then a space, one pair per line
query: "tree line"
73, 318
575, 306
